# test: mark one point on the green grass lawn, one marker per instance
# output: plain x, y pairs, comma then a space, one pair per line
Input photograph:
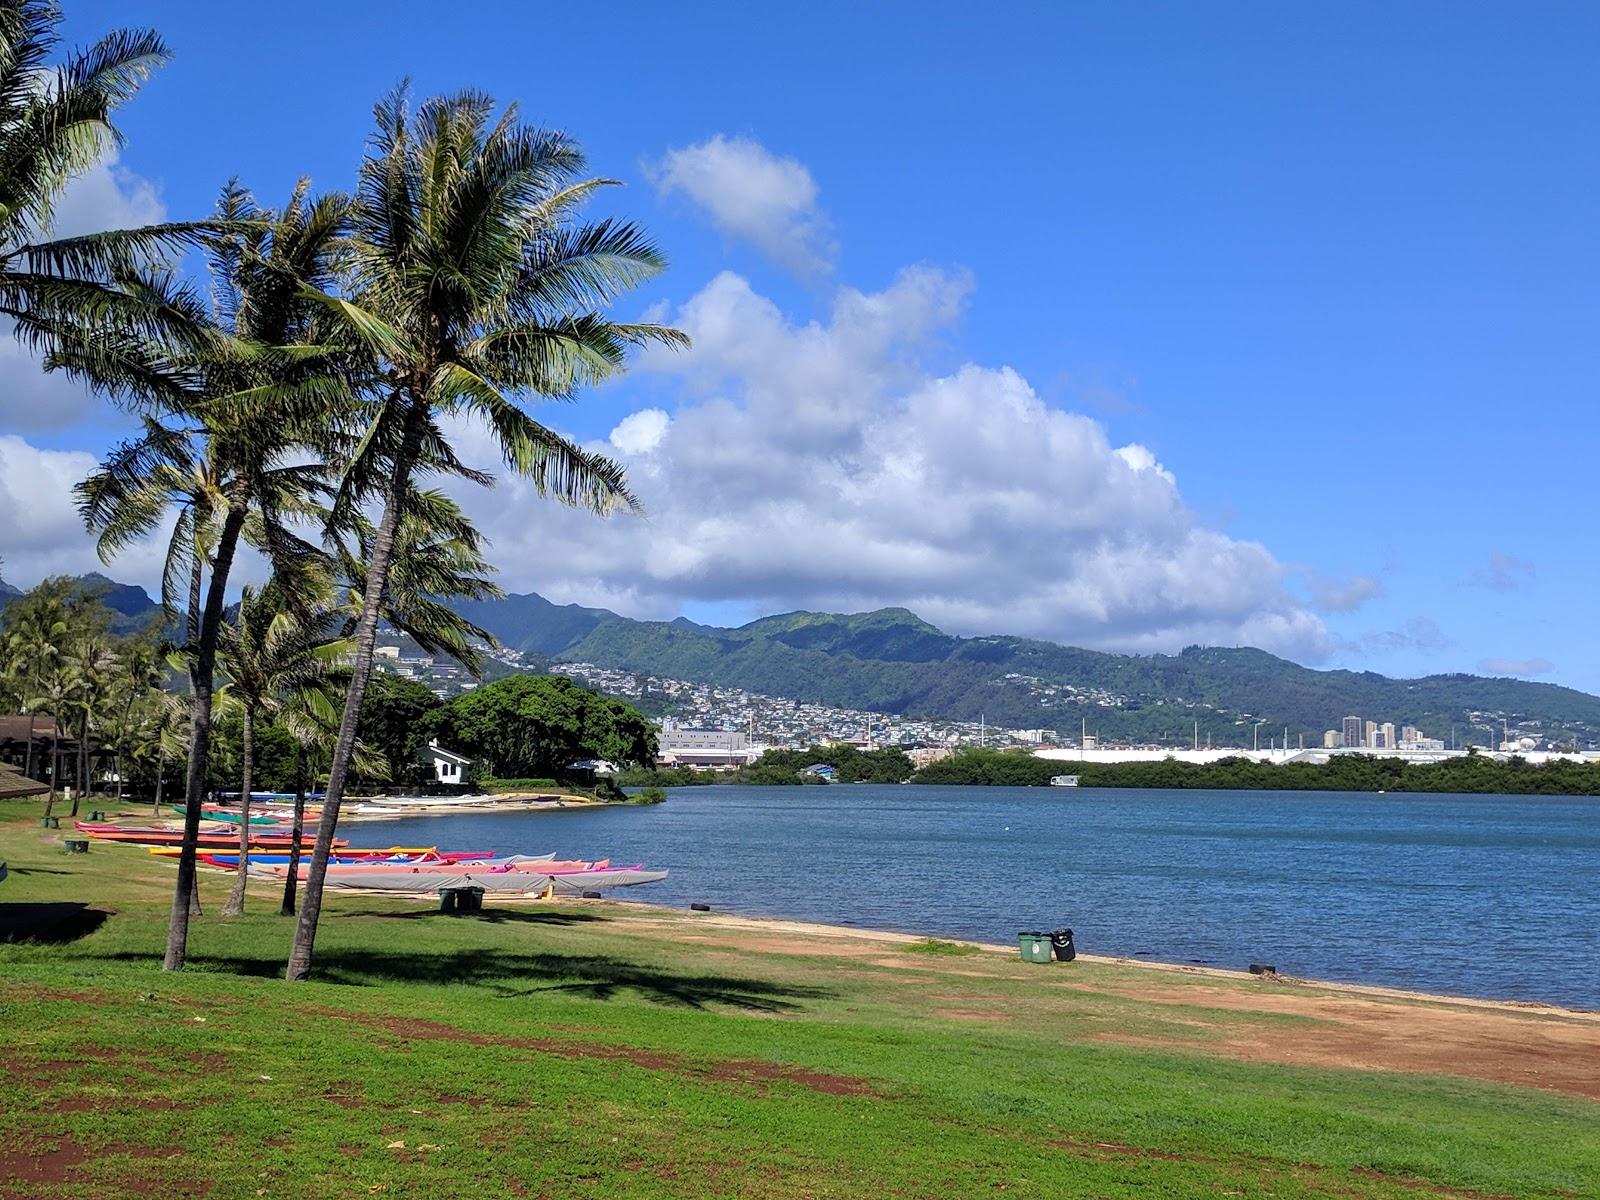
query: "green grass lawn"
594, 1050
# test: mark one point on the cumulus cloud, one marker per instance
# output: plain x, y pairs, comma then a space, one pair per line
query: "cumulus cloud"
106, 197
824, 465
1418, 634
1503, 573
749, 193
640, 432
1516, 666
1341, 593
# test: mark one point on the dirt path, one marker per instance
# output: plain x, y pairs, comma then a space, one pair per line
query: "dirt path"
1348, 1026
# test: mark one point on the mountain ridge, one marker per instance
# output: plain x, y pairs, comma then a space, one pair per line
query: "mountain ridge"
892, 660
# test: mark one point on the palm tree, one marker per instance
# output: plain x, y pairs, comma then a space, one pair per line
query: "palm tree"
231, 411
44, 633
56, 123
271, 654
90, 669
468, 286
137, 704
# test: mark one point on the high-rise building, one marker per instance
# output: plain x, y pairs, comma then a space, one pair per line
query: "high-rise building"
1352, 731
1387, 733
1371, 738
1380, 738
1332, 739
1410, 733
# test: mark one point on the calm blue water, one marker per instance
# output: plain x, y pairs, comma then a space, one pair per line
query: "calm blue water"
1493, 896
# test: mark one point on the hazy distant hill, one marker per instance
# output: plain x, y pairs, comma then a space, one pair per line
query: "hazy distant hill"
894, 661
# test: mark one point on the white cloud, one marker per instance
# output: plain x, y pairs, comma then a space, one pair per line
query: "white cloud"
640, 432
1341, 593
823, 465
108, 196
1421, 634
747, 192
1516, 666
1503, 573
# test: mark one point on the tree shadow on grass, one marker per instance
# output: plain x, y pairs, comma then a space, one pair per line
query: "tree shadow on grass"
51, 923
489, 916
513, 976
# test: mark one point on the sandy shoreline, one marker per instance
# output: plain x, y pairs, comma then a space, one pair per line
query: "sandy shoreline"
509, 802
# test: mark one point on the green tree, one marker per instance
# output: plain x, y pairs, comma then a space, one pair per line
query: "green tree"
55, 124
469, 286
270, 653
232, 406
396, 715
539, 725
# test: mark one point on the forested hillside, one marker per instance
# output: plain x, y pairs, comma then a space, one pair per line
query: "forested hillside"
893, 661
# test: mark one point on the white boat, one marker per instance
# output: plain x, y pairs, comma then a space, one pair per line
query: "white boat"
1063, 781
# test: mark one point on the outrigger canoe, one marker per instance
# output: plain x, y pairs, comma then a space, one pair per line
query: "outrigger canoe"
523, 882
350, 852
350, 858
209, 839
257, 817
544, 864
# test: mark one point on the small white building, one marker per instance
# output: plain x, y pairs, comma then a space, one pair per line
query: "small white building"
448, 766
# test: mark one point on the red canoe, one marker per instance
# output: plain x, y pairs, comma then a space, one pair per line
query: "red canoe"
222, 839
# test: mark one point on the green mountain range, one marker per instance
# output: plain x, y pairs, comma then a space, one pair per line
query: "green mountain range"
893, 661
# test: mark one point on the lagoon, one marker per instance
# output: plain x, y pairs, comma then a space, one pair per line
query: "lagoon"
1491, 896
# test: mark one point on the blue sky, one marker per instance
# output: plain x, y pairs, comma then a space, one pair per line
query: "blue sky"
1332, 267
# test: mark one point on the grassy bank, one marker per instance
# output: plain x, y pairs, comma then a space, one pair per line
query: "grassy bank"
616, 1051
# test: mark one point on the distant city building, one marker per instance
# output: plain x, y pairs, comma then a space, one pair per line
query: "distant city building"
1387, 733
1035, 737
1332, 740
1352, 731
1410, 733
704, 748
1371, 739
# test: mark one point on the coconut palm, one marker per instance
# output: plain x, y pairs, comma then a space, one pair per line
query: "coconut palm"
136, 703
89, 673
271, 654
232, 411
468, 287
56, 123
44, 632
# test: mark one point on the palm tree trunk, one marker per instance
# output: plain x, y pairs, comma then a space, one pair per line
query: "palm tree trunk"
305, 933
235, 905
27, 766
161, 776
55, 764
292, 879
185, 895
83, 766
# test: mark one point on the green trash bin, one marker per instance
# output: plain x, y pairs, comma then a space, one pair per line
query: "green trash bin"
1035, 947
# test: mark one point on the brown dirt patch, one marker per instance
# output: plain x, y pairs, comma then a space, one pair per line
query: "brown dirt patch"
727, 1071
57, 1163
751, 1071
1373, 1034
987, 1016
1423, 1185
33, 991
1122, 1150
